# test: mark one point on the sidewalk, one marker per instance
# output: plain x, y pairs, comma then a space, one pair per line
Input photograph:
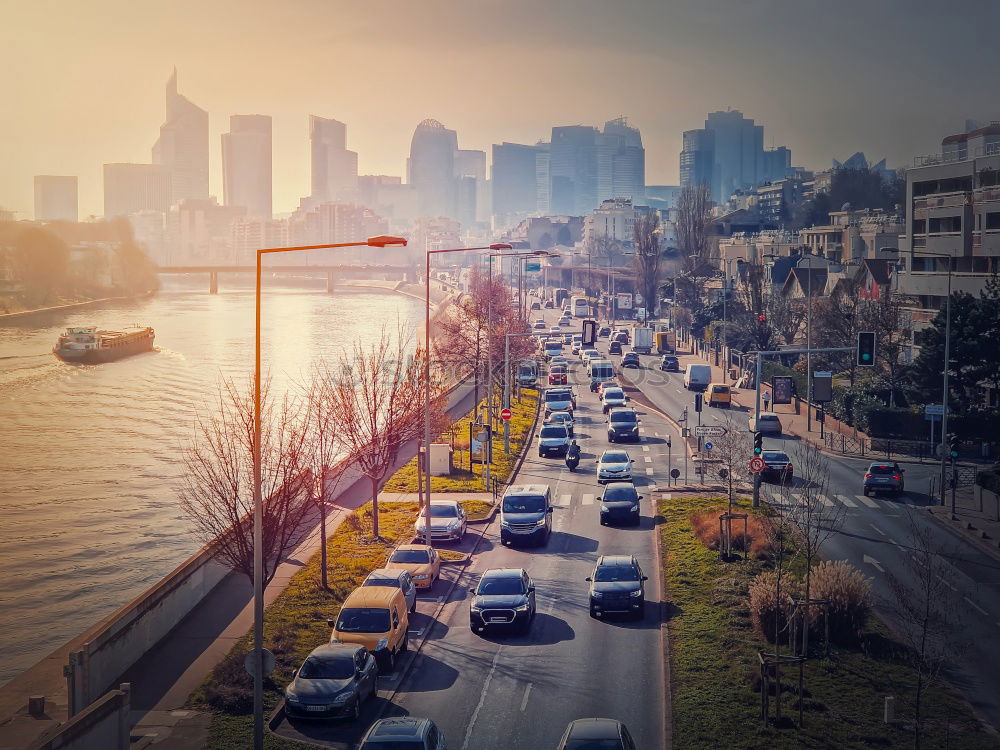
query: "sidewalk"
976, 518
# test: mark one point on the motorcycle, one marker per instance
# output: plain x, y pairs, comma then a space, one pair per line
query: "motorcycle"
573, 459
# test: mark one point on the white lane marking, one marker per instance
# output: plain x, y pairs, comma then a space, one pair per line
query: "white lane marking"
948, 583
587, 500
826, 501
847, 501
976, 606
649, 472
482, 699
524, 700
565, 500
647, 459
645, 448
877, 529
657, 434
867, 501
682, 392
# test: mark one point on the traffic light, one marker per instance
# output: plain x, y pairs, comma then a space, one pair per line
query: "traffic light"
953, 445
762, 318
866, 348
758, 443
697, 402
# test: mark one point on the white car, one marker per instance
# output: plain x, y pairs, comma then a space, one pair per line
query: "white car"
614, 466
769, 423
555, 330
553, 439
611, 398
560, 361
564, 418
588, 354
577, 344
448, 521
396, 579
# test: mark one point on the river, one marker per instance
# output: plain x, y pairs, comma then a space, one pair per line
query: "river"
90, 456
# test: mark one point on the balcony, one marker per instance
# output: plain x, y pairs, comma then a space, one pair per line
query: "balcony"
985, 194
944, 200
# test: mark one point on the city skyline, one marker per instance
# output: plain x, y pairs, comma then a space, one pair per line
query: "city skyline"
820, 98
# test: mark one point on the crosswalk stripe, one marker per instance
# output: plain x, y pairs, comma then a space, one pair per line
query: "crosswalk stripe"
565, 500
653, 488
847, 501
867, 501
649, 472
647, 459
645, 448
587, 500
826, 501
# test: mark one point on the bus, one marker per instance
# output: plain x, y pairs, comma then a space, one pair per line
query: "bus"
579, 307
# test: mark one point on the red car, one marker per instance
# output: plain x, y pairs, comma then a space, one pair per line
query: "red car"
557, 376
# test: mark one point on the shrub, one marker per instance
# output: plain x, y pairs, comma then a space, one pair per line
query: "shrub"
705, 526
231, 688
765, 611
849, 595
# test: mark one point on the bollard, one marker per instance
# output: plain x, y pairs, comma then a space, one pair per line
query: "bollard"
890, 709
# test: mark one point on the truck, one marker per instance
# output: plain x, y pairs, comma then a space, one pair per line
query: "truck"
666, 342
642, 341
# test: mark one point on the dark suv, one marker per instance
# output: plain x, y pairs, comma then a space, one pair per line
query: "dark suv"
620, 502
883, 477
623, 424
631, 359
617, 586
505, 597
615, 347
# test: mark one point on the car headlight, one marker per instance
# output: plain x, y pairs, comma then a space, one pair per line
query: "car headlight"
341, 699
473, 608
637, 592
291, 697
453, 524
596, 595
540, 522
634, 508
605, 508
522, 608
505, 524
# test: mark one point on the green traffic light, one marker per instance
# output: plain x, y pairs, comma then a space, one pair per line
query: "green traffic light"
866, 356
757, 451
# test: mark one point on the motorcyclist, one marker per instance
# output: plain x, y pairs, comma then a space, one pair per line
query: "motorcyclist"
572, 456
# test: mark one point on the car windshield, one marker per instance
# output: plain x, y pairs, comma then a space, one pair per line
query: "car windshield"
627, 417
720, 388
443, 511
586, 743
552, 396
614, 393
559, 370
607, 573
620, 494
391, 582
363, 620
409, 556
553, 431
766, 418
328, 668
414, 744
500, 585
882, 470
774, 456
614, 457
560, 416
523, 504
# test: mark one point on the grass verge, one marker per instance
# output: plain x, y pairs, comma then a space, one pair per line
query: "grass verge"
462, 479
713, 655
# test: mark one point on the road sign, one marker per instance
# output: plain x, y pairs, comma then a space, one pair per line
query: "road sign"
674, 473
935, 409
756, 464
505, 414
531, 267
708, 445
709, 430
267, 659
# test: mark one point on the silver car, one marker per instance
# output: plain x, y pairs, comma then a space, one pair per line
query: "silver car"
768, 423
448, 521
614, 466
611, 398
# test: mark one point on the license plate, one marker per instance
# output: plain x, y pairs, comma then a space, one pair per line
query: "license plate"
498, 619
315, 708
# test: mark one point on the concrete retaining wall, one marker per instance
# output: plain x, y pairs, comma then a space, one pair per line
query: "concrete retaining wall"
104, 724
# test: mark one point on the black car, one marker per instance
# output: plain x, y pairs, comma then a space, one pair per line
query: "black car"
505, 597
777, 467
605, 734
620, 503
670, 363
604, 332
621, 337
631, 359
332, 682
617, 587
615, 347
623, 424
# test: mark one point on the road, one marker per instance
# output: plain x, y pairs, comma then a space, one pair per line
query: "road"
502, 690
876, 535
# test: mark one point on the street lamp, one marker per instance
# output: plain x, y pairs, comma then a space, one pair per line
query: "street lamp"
427, 372
258, 514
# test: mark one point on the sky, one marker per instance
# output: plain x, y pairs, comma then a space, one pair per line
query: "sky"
84, 80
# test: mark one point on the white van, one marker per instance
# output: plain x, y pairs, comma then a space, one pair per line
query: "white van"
697, 377
600, 371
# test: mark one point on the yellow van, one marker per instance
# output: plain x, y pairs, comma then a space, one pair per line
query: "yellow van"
375, 617
719, 394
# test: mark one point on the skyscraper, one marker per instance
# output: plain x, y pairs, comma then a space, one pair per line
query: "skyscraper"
334, 168
698, 159
56, 198
183, 146
246, 164
431, 169
129, 188
573, 169
621, 165
470, 170
514, 187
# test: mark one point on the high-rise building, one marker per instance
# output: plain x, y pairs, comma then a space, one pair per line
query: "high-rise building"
183, 146
129, 188
621, 165
470, 170
573, 169
56, 198
334, 167
431, 169
514, 176
776, 164
246, 164
698, 159
543, 177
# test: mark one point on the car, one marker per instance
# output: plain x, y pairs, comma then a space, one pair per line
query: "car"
375, 617
553, 439
539, 325
670, 363
536, 305
333, 682
563, 418
448, 521
883, 477
420, 560
768, 423
606, 734
719, 394
403, 733
777, 466
604, 332
616, 586
630, 359
588, 353
552, 349
526, 514
554, 330
576, 344
621, 336
504, 597
558, 399
557, 375
559, 361
399, 579
615, 347
564, 321
567, 338
606, 384
612, 397
614, 466
623, 424
620, 502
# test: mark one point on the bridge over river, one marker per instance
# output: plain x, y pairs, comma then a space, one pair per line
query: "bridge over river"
332, 272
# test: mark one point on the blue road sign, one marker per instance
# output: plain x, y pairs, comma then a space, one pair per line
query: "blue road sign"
709, 446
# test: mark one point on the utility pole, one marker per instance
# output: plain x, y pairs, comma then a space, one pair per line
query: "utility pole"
944, 394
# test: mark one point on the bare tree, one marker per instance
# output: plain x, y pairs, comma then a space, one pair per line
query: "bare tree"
927, 611
762, 315
217, 489
601, 249
647, 258
693, 227
376, 394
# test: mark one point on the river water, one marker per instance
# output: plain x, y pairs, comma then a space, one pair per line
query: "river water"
90, 456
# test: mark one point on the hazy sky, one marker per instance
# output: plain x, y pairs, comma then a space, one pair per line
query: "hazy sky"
83, 80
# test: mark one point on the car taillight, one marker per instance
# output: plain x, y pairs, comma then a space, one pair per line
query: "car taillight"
897, 477
788, 468
868, 476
